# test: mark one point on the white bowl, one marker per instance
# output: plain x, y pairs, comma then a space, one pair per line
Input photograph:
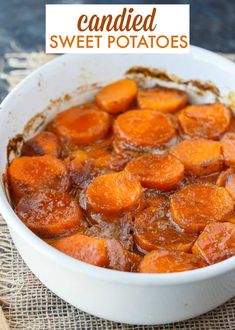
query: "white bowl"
114, 295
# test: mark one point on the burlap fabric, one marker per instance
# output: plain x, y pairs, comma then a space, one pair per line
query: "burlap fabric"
26, 303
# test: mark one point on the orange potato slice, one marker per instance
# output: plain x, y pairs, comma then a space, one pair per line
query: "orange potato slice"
144, 128
113, 193
82, 125
152, 232
162, 99
84, 248
163, 172
216, 242
200, 157
227, 179
208, 121
28, 174
45, 143
118, 96
50, 213
195, 205
167, 261
228, 148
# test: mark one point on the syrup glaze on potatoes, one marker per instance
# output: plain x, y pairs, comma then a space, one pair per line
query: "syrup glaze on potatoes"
139, 181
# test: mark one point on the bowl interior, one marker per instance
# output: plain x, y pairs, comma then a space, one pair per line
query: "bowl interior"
73, 79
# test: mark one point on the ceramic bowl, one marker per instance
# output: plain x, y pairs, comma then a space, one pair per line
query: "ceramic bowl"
118, 296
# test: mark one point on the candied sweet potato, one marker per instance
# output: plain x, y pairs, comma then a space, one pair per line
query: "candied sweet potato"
28, 174
50, 213
144, 128
44, 143
162, 99
216, 242
208, 121
227, 179
84, 248
137, 172
228, 148
195, 205
152, 232
113, 193
163, 172
118, 96
81, 125
168, 261
199, 156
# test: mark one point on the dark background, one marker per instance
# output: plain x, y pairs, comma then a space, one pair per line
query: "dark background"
212, 23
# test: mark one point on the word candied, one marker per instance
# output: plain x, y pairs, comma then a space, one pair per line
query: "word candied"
126, 21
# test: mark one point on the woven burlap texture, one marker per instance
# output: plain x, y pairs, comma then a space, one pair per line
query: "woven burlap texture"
27, 304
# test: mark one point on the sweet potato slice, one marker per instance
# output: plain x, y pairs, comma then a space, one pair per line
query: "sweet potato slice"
228, 147
168, 261
195, 205
144, 128
199, 156
50, 213
162, 99
28, 174
81, 125
227, 179
216, 242
163, 172
152, 232
113, 193
208, 121
84, 248
45, 143
118, 96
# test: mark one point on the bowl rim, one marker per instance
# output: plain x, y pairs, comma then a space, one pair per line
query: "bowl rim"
100, 273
